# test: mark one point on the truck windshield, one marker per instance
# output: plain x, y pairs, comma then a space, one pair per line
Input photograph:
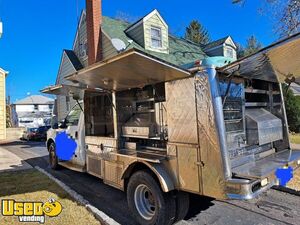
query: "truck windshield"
73, 118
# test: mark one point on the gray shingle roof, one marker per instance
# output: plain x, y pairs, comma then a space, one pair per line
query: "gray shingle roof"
216, 43
35, 100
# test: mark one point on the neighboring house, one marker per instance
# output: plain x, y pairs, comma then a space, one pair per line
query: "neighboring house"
33, 111
295, 89
3, 75
222, 47
150, 35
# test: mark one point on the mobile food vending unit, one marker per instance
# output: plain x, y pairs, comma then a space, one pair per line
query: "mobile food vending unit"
159, 132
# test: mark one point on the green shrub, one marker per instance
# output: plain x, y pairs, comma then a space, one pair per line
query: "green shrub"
292, 106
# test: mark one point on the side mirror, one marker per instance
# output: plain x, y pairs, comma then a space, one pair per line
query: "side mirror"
63, 124
55, 126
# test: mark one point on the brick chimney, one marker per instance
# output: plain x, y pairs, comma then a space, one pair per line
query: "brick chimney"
93, 26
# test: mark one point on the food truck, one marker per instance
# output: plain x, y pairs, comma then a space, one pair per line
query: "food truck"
159, 132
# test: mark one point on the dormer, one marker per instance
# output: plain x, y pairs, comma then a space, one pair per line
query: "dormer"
151, 32
222, 47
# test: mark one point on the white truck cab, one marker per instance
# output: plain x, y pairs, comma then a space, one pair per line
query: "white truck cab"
73, 127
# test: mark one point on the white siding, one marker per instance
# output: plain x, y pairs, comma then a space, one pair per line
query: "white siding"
24, 108
233, 50
156, 21
44, 108
31, 108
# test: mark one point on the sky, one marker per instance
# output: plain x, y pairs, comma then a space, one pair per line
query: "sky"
36, 31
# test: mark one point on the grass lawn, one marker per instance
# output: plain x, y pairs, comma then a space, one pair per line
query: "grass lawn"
295, 138
31, 185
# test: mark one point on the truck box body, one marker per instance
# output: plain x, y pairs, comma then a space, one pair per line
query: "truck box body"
219, 132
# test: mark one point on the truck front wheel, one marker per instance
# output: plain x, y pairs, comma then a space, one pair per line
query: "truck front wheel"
53, 160
148, 204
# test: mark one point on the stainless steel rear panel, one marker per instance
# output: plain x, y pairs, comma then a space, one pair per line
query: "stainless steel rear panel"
262, 127
181, 111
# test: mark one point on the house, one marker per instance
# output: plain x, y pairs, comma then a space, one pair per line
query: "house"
222, 47
149, 35
3, 75
33, 111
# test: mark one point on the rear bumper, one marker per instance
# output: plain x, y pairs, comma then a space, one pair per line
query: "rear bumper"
251, 188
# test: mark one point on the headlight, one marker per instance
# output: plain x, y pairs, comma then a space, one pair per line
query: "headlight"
264, 182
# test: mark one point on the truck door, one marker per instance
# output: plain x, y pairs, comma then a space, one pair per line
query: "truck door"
74, 146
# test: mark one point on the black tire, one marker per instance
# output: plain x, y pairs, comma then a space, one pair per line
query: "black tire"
182, 205
53, 160
163, 204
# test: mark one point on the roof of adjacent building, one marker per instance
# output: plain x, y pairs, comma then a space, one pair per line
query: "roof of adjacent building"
181, 51
35, 100
74, 59
3, 71
216, 43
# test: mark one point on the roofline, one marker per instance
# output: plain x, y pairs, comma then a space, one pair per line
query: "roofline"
232, 41
145, 18
4, 71
60, 64
226, 38
282, 41
83, 12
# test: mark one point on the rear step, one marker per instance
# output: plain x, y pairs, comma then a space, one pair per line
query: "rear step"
267, 165
245, 155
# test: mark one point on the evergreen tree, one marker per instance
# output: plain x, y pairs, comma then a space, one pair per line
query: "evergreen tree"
252, 46
292, 109
197, 33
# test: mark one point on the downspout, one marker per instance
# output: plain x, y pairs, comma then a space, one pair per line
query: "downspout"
219, 118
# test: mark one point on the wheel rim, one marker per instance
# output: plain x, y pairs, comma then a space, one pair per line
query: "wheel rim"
144, 202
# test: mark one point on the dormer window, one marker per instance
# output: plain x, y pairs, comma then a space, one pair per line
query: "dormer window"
229, 52
151, 32
156, 37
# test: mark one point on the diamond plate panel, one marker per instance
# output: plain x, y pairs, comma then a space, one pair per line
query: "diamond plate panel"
213, 182
181, 111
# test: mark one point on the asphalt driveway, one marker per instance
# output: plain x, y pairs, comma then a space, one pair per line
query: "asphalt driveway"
273, 207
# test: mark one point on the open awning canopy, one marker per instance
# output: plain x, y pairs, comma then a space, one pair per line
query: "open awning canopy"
130, 69
278, 62
64, 90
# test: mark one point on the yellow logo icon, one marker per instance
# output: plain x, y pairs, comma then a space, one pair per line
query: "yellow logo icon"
52, 208
31, 211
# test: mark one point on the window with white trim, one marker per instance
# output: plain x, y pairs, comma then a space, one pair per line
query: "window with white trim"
156, 37
229, 52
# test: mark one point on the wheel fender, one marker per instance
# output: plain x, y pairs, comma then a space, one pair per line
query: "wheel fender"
161, 173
